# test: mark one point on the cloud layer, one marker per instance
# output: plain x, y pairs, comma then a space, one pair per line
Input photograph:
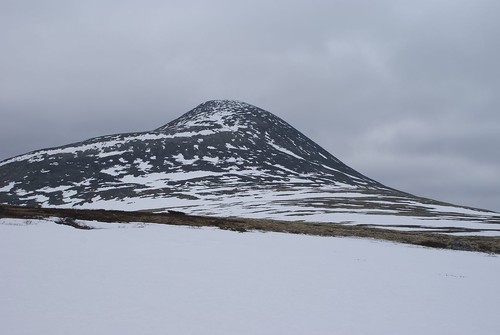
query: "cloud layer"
404, 92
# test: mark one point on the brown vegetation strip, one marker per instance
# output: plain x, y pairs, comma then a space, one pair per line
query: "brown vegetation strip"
488, 244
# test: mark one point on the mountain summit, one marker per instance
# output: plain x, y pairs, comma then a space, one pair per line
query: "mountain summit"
221, 158
237, 134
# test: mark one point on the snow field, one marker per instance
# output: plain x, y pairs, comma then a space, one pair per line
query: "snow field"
156, 279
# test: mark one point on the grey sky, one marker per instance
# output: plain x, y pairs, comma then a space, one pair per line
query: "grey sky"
406, 92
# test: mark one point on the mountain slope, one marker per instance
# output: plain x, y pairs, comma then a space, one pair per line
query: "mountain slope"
221, 158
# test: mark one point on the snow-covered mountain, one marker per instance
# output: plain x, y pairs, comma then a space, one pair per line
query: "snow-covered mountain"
225, 158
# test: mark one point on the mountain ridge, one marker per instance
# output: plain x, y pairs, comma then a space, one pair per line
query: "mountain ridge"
224, 157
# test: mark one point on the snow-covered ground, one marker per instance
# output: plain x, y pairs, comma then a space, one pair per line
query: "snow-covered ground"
157, 279
308, 204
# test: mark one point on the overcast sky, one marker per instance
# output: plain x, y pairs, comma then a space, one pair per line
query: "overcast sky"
405, 92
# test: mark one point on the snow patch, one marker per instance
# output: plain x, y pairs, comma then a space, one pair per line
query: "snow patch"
8, 187
284, 150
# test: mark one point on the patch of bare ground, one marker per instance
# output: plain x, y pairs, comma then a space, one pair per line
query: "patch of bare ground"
487, 244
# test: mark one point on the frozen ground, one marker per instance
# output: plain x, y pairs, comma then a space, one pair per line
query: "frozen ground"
154, 279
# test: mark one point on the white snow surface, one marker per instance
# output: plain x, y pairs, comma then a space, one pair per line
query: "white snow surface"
286, 151
8, 187
158, 279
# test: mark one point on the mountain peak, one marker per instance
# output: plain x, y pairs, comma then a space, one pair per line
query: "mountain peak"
216, 113
226, 103
219, 142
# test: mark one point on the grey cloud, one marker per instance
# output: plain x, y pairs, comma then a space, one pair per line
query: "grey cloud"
405, 92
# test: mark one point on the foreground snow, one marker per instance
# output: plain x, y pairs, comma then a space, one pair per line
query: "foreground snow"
153, 279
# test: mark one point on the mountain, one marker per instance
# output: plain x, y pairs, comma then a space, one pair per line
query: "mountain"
225, 158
